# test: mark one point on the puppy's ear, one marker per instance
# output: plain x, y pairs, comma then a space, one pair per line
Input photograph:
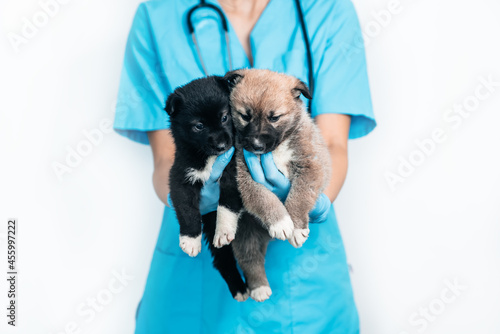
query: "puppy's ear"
232, 78
174, 102
223, 83
301, 88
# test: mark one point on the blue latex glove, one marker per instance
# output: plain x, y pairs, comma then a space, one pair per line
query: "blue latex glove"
209, 196
266, 173
319, 214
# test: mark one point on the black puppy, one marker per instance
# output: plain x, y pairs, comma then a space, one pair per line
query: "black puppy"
202, 129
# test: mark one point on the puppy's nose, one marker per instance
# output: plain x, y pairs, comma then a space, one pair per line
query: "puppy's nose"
257, 145
221, 147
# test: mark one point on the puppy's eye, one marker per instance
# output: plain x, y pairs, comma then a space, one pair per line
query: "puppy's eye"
199, 127
246, 118
224, 119
273, 119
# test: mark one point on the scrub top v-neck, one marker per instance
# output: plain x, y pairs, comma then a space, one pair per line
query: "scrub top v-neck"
311, 285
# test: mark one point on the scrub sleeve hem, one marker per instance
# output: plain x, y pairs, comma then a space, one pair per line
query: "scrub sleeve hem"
139, 135
361, 124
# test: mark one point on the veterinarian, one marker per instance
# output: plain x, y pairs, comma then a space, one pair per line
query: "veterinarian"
311, 286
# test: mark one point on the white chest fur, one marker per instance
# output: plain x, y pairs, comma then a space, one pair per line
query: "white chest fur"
282, 156
194, 175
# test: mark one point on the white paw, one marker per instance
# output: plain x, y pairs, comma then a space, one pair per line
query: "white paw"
223, 238
225, 230
299, 236
241, 297
261, 293
190, 246
282, 229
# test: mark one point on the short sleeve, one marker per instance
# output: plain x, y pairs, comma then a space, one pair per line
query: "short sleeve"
342, 81
143, 88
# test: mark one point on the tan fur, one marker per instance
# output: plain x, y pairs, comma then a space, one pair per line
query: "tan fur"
264, 93
298, 151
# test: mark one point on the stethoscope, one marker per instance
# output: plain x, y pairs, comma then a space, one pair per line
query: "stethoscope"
223, 20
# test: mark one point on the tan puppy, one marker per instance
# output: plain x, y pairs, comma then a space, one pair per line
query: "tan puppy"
269, 116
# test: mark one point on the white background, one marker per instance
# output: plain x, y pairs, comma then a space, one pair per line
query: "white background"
441, 223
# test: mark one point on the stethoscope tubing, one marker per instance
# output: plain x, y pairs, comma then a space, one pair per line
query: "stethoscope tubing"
308, 50
191, 31
223, 20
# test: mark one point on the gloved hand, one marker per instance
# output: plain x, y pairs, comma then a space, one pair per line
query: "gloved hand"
319, 213
209, 196
266, 173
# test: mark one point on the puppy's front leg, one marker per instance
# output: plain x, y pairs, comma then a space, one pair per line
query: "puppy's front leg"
186, 200
229, 209
249, 249
262, 203
300, 201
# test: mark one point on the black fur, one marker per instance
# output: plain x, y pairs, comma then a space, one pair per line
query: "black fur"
223, 258
203, 101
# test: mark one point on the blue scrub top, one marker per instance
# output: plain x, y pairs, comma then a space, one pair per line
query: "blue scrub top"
311, 285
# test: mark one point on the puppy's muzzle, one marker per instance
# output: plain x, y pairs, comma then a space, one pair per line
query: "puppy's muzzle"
257, 145
219, 144
221, 147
